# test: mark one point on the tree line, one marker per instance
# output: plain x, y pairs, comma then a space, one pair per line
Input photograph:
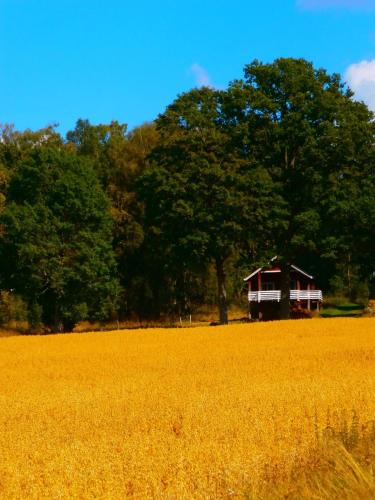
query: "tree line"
107, 223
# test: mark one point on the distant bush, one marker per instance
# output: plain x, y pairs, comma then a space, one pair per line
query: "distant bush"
361, 294
13, 310
358, 291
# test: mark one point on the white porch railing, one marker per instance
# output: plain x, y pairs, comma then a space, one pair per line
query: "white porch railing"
268, 295
306, 295
264, 295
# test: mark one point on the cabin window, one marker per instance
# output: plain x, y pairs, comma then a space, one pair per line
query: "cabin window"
268, 285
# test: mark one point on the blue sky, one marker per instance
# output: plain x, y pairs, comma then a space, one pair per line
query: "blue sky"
126, 60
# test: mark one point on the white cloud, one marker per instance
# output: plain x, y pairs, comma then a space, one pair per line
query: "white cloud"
361, 79
344, 4
202, 78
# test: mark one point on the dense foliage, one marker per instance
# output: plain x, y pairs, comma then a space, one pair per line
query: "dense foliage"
56, 248
170, 216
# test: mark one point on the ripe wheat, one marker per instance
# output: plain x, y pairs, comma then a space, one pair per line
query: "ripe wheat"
178, 413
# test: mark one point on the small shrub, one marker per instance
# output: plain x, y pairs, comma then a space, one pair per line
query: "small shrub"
12, 308
35, 312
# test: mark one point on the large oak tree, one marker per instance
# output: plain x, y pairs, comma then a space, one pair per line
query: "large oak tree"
302, 125
203, 196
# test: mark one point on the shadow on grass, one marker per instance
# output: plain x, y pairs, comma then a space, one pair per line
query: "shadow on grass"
347, 310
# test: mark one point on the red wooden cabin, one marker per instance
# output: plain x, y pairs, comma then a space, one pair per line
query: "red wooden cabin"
264, 291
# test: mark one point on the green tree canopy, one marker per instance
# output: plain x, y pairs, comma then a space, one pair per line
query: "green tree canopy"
56, 249
119, 158
302, 125
203, 197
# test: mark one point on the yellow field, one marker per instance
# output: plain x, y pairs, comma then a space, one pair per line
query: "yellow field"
188, 413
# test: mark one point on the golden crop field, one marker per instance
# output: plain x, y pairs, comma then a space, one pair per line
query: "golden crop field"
178, 413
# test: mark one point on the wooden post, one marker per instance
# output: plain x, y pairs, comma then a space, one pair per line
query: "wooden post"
298, 288
308, 297
259, 284
284, 306
249, 289
222, 292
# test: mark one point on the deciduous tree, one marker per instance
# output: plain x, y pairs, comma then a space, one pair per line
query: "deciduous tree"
56, 248
203, 197
302, 125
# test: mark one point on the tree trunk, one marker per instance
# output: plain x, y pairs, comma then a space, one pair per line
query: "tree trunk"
68, 325
223, 306
285, 290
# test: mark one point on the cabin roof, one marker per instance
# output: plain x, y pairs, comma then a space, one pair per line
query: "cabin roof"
277, 270
299, 270
253, 274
